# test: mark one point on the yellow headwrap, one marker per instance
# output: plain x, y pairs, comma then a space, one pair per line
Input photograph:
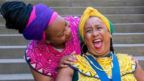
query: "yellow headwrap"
90, 11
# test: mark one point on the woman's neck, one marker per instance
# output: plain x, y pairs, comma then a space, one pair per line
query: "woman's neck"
107, 54
59, 46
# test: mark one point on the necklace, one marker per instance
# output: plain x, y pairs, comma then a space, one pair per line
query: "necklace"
98, 67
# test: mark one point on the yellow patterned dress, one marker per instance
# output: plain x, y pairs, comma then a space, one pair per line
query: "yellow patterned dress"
84, 72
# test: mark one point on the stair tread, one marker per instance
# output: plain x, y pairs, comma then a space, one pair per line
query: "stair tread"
82, 2
18, 60
16, 77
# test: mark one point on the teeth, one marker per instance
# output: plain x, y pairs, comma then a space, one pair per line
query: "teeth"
98, 40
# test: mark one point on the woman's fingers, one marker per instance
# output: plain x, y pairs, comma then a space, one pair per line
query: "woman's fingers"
67, 60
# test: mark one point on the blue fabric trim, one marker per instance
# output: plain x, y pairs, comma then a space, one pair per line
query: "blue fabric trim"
75, 75
116, 69
102, 75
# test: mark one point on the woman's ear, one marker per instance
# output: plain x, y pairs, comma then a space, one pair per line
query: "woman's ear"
110, 34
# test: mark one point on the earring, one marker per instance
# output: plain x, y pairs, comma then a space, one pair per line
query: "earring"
84, 48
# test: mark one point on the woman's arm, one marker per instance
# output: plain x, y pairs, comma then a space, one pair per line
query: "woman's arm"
139, 73
65, 74
39, 77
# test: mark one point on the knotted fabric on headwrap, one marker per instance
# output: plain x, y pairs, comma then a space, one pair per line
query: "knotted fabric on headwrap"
90, 11
41, 16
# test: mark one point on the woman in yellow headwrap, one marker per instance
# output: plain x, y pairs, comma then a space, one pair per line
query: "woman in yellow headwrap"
99, 63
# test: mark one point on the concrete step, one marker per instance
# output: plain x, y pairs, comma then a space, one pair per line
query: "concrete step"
16, 77
119, 28
73, 10
105, 10
115, 18
126, 18
64, 0
119, 38
19, 50
4, 30
85, 2
28, 76
142, 64
129, 27
11, 52
17, 66
128, 38
12, 39
132, 49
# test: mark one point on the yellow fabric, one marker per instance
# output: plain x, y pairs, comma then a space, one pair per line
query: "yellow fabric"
90, 11
86, 72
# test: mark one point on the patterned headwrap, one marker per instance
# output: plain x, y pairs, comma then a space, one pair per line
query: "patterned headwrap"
41, 17
90, 11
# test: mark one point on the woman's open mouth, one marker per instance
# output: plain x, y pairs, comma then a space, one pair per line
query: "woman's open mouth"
97, 43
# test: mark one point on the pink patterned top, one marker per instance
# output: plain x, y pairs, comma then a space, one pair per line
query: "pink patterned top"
43, 58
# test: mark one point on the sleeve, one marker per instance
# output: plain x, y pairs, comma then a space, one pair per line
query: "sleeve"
127, 63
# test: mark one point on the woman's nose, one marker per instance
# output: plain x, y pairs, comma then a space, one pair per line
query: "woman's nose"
95, 33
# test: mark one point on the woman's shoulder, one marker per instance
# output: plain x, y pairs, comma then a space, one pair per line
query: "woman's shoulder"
127, 63
36, 43
124, 57
36, 47
80, 61
83, 66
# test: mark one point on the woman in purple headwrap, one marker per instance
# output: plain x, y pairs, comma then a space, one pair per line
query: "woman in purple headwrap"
52, 36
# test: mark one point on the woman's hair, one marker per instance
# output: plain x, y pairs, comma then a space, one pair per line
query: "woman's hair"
16, 14
111, 45
84, 48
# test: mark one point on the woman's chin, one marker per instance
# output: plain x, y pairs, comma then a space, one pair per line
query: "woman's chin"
100, 51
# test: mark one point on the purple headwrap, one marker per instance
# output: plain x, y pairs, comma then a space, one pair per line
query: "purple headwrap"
41, 16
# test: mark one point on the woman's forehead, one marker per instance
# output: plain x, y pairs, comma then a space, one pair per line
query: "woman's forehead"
58, 24
94, 21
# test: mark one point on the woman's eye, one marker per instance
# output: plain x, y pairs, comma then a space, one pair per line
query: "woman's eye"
61, 34
99, 27
88, 31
